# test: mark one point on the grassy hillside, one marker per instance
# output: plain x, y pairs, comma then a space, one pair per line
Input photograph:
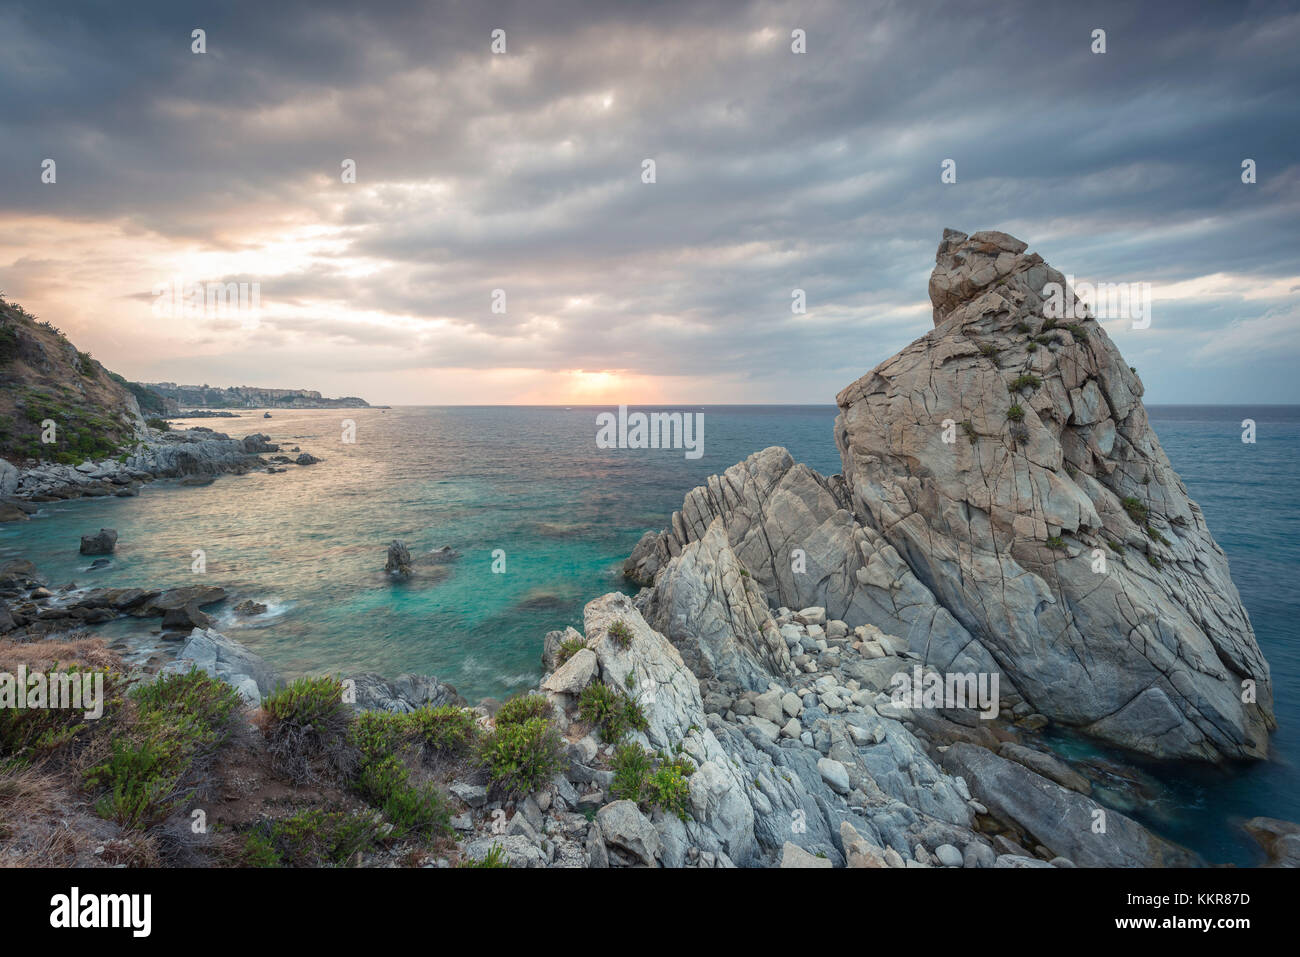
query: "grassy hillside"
44, 377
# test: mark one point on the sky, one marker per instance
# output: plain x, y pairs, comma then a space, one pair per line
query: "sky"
522, 171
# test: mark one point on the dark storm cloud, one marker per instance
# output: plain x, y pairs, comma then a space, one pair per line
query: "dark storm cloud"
775, 171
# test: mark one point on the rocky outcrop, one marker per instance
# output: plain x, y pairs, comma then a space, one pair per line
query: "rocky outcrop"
1279, 839
225, 658
1067, 823
1007, 458
102, 542
403, 694
791, 529
194, 456
397, 563
710, 607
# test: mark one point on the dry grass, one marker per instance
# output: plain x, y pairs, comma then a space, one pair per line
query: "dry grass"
47, 655
40, 823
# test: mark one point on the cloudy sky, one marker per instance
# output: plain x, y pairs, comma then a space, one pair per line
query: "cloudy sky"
522, 171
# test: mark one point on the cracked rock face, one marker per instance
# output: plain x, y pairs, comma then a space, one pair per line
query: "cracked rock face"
1007, 459
791, 529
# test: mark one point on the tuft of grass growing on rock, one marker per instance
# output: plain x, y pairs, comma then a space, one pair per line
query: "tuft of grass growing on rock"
1056, 541
621, 633
613, 712
1016, 413
969, 431
1025, 381
1136, 510
495, 857
568, 648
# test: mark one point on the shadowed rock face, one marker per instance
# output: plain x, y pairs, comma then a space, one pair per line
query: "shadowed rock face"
1007, 514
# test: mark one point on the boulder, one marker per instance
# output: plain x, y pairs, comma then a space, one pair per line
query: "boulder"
228, 660
792, 855
623, 825
574, 675
1279, 839
101, 543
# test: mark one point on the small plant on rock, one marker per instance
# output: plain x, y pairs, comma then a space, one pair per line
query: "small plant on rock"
613, 712
568, 648
1016, 413
1136, 510
621, 633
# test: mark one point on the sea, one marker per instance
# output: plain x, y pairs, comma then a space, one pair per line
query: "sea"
542, 518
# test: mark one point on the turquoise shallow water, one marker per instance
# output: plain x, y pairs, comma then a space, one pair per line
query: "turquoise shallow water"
531, 482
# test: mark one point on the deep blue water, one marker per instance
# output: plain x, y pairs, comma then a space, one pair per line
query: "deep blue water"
531, 482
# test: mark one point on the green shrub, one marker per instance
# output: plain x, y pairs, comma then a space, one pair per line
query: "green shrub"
1026, 381
651, 780
31, 735
312, 838
621, 633
307, 730
521, 758
613, 712
988, 350
631, 767
1055, 541
668, 788
568, 648
162, 425
411, 809
969, 431
1015, 413
181, 720
523, 708
446, 731
1154, 561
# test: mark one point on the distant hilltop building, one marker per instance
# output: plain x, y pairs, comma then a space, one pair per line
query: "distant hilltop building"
178, 397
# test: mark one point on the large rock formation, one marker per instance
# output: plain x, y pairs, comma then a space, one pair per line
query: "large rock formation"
1009, 461
1005, 507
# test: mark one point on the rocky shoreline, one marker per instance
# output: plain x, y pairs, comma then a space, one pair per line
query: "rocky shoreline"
191, 455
